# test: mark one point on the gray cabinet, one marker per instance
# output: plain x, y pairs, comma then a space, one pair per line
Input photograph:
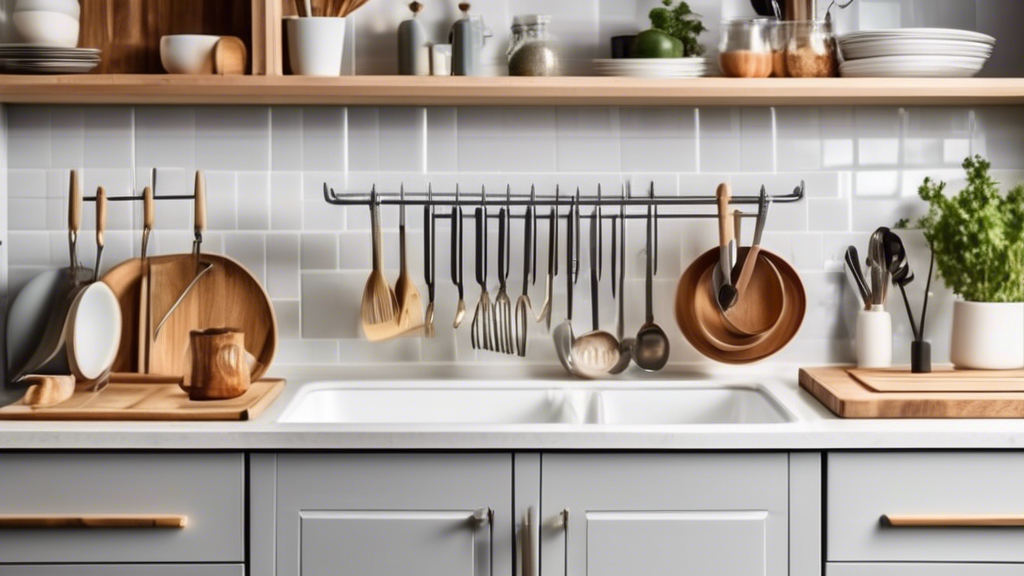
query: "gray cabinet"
124, 570
864, 487
665, 514
389, 514
207, 489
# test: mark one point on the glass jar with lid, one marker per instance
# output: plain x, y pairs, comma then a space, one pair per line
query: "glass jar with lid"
811, 51
533, 51
745, 50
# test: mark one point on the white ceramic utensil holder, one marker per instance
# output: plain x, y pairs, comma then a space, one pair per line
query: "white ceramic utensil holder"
874, 338
988, 335
315, 45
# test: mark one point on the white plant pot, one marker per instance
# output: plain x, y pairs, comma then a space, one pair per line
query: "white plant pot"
315, 45
988, 335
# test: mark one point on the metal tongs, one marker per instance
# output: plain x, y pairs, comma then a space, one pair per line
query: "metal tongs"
201, 267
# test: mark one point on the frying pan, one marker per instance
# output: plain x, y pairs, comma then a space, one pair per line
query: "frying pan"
35, 320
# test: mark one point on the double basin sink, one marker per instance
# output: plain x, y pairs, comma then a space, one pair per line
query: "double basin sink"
525, 403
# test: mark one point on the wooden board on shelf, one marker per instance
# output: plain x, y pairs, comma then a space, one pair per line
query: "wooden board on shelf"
503, 91
150, 402
129, 31
846, 397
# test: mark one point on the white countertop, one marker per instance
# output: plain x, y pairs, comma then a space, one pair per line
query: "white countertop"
813, 426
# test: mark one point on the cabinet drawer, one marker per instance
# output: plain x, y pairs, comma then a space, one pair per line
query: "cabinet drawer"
124, 570
923, 569
935, 491
97, 489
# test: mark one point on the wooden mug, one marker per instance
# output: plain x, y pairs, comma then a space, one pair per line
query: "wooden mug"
219, 368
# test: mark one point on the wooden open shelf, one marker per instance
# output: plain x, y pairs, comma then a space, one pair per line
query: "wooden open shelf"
505, 91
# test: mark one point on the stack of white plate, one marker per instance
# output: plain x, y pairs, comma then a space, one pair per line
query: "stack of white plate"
651, 67
32, 59
915, 52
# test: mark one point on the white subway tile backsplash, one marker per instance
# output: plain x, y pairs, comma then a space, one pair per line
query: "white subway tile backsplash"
286, 138
253, 194
233, 138
67, 137
286, 200
283, 265
165, 136
29, 183
319, 251
108, 137
265, 170
322, 145
330, 304
28, 135
288, 321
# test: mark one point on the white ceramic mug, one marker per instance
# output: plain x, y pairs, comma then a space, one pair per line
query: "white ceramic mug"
315, 45
874, 338
988, 335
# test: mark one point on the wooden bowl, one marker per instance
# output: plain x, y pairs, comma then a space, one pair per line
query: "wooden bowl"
711, 322
686, 312
759, 308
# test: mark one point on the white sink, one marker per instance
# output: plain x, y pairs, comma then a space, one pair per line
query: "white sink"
526, 403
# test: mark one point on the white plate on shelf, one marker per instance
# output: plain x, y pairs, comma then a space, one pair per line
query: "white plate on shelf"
860, 49
913, 67
931, 33
651, 67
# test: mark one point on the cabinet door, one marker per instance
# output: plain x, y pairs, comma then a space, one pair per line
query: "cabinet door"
394, 515
665, 514
123, 570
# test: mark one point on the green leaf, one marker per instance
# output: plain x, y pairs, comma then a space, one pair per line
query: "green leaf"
977, 235
681, 22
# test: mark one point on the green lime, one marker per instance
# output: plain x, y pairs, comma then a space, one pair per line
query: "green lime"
657, 44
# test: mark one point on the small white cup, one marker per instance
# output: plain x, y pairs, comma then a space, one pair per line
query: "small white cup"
874, 338
441, 60
315, 45
188, 53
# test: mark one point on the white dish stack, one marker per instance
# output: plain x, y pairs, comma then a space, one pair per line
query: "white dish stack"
651, 67
914, 52
42, 38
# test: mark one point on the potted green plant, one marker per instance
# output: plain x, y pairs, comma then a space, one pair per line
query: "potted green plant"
673, 33
977, 236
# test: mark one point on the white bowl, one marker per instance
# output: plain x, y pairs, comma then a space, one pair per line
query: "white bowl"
46, 28
69, 7
188, 53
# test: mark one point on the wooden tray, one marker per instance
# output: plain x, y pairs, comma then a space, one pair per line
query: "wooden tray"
126, 401
845, 396
942, 380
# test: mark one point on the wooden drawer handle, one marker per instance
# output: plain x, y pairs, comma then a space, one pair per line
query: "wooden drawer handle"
93, 521
948, 520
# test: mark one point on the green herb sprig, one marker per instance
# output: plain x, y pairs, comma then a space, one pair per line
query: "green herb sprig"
977, 235
681, 22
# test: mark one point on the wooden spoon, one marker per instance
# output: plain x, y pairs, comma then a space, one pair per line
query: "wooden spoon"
380, 306
410, 304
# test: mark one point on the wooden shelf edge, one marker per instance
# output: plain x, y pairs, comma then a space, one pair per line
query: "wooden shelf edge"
505, 91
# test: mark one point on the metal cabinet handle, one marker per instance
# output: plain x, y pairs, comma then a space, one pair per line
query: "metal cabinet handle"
948, 520
486, 516
564, 516
9, 521
529, 540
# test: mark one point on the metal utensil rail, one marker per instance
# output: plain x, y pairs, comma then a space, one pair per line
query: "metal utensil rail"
510, 200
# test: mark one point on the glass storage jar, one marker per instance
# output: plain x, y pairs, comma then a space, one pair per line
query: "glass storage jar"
533, 51
745, 50
779, 34
812, 51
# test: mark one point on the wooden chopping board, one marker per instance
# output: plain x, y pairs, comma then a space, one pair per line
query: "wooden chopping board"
847, 397
149, 401
227, 296
943, 380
